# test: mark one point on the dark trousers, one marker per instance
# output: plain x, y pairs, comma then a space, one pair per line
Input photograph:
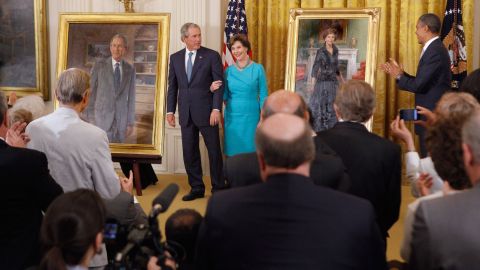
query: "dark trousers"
191, 155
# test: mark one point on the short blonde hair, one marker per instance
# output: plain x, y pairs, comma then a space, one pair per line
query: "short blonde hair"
355, 101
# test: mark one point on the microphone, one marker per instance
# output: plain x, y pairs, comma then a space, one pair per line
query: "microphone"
161, 203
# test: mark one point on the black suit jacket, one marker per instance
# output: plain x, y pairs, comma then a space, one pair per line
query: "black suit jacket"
433, 76
288, 223
195, 98
327, 168
29, 190
374, 167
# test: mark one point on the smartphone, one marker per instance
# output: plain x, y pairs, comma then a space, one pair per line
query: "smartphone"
409, 114
110, 231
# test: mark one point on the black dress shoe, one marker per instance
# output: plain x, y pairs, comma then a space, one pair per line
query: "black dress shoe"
192, 196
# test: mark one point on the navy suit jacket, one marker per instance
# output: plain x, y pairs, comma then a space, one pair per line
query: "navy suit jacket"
30, 189
194, 97
288, 223
433, 77
374, 166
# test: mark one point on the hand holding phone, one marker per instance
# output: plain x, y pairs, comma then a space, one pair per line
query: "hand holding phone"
409, 114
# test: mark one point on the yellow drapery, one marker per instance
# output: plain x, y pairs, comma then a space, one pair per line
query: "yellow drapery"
268, 29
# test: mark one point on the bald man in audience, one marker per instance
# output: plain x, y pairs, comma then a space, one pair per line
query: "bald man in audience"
287, 222
445, 230
373, 162
327, 168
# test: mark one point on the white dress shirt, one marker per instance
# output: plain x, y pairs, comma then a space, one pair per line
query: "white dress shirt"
119, 66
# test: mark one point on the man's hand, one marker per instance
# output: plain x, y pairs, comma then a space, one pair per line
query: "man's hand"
392, 67
171, 119
215, 85
127, 183
214, 118
130, 129
16, 136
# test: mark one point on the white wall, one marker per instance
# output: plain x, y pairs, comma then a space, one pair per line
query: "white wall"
206, 13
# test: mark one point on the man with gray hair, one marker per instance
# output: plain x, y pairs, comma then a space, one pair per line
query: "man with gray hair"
433, 76
30, 190
445, 230
293, 223
78, 152
373, 163
195, 82
112, 98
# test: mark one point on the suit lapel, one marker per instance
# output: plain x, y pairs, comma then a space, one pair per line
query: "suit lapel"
125, 73
3, 144
198, 62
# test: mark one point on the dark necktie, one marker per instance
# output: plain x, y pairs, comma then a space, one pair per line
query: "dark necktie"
116, 76
189, 66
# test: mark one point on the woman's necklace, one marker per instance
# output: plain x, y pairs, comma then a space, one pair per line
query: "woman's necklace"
244, 66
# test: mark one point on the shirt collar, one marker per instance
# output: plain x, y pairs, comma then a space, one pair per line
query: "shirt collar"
188, 51
429, 42
115, 61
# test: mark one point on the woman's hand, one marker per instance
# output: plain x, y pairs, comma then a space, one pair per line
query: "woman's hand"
424, 183
401, 132
215, 85
429, 116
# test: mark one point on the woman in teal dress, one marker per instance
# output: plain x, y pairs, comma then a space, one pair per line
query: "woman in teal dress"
244, 93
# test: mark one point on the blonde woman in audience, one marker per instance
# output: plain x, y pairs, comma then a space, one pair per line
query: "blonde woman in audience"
444, 144
450, 105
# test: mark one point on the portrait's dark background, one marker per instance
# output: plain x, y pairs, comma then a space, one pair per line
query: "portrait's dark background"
17, 43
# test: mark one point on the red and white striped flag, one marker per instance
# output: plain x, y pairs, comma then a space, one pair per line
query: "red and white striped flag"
236, 23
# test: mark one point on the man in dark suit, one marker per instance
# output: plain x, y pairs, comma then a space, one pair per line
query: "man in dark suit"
445, 230
288, 222
29, 190
373, 163
327, 168
433, 76
194, 73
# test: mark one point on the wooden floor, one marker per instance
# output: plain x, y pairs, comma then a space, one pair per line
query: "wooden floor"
396, 233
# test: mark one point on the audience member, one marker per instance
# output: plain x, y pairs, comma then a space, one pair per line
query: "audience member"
288, 222
29, 189
450, 105
72, 232
445, 229
471, 84
327, 168
78, 152
373, 163
32, 103
444, 144
181, 229
20, 115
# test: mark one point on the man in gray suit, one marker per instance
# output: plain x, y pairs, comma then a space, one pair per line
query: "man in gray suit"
112, 97
445, 230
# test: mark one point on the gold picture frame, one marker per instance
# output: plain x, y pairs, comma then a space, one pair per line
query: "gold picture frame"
23, 48
147, 36
357, 49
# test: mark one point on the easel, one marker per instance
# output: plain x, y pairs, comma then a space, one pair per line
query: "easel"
136, 159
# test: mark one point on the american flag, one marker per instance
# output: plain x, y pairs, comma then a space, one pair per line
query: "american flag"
453, 38
236, 23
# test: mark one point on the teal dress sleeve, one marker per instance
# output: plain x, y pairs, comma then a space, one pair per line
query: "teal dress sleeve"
262, 85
